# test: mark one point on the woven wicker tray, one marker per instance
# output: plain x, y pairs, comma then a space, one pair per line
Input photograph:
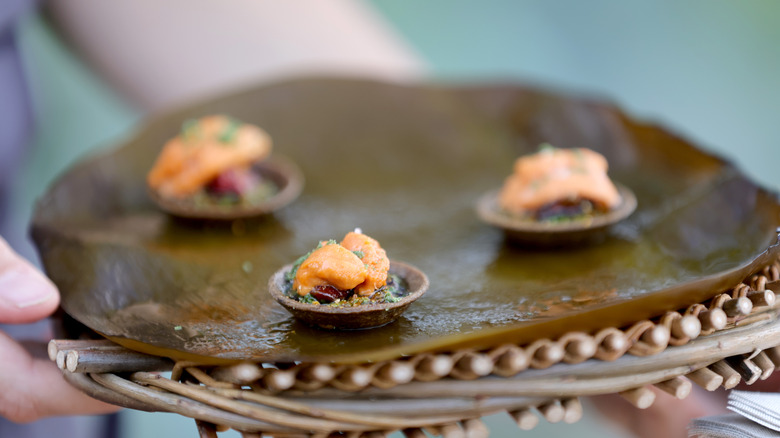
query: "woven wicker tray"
679, 292
732, 338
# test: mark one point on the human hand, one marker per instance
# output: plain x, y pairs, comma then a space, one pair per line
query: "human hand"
666, 417
32, 388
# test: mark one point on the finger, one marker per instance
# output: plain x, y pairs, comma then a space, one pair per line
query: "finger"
667, 417
26, 295
35, 388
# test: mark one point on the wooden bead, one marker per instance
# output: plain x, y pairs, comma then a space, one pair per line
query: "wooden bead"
579, 350
354, 378
475, 428
553, 411
677, 387
737, 307
658, 336
451, 431
641, 397
714, 319
731, 377
572, 410
279, 380
398, 372
766, 365
774, 355
749, 371
472, 366
393, 373
60, 359
433, 367
688, 326
525, 419
52, 349
318, 372
241, 374
706, 378
547, 354
615, 342
764, 298
511, 362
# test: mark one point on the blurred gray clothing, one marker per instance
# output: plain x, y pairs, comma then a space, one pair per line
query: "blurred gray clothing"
15, 102
16, 122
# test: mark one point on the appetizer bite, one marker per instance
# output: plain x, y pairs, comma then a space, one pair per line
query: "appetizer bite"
347, 285
557, 197
559, 184
219, 167
353, 272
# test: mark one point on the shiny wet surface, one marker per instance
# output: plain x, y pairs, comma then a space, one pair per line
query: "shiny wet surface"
406, 165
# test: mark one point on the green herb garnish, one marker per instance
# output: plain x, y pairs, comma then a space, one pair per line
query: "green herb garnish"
394, 291
357, 300
177, 328
561, 218
229, 133
390, 298
190, 129
308, 299
290, 276
546, 147
359, 254
228, 199
395, 284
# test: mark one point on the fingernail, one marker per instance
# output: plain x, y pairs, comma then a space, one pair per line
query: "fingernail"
23, 288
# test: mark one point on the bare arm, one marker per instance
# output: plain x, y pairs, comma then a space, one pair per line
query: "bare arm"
160, 53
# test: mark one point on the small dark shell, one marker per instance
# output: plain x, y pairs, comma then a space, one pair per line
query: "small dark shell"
545, 233
350, 318
285, 174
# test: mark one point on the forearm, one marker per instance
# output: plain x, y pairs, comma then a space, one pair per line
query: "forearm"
163, 53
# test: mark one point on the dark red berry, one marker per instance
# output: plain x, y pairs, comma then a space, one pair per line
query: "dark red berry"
233, 182
328, 294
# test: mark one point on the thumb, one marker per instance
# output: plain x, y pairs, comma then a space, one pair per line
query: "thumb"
34, 388
26, 295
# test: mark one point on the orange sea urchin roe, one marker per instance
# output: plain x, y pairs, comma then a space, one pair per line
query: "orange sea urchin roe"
330, 265
375, 259
202, 151
558, 175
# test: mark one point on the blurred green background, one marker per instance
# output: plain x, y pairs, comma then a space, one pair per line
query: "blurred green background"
708, 69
